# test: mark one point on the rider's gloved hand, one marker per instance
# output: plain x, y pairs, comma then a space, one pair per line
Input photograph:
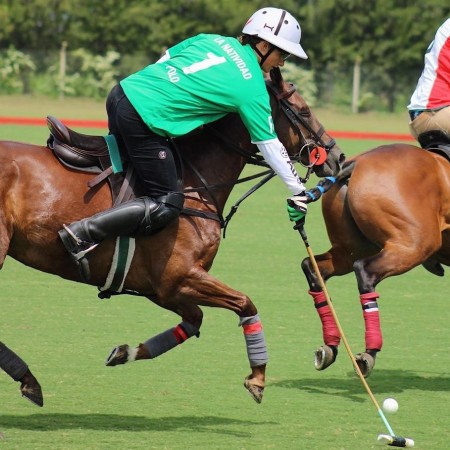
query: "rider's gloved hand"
297, 207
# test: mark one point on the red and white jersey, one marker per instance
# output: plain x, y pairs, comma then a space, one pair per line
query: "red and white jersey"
433, 87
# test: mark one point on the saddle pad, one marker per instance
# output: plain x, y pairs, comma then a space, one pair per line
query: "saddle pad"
114, 154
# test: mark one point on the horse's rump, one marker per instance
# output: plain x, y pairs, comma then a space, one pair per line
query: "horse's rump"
396, 192
388, 216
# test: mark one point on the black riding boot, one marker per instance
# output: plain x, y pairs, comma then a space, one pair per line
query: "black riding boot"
141, 216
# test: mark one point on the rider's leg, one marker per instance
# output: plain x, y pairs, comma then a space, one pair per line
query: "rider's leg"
152, 158
141, 216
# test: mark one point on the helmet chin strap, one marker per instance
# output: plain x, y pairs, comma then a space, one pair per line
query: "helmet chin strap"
263, 57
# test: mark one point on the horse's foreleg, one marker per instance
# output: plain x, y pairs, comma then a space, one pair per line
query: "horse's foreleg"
10, 362
18, 370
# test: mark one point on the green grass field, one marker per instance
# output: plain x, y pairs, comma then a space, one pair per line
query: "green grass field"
193, 396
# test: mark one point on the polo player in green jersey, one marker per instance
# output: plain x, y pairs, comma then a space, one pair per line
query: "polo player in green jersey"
196, 82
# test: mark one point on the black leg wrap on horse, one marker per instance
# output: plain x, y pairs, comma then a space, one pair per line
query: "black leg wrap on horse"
144, 215
11, 363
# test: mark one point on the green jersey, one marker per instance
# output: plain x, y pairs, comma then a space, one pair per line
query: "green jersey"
205, 78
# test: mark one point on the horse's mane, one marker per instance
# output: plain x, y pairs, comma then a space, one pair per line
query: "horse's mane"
277, 79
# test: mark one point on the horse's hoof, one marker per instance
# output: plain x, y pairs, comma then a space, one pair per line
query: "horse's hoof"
31, 389
119, 355
324, 356
366, 363
254, 390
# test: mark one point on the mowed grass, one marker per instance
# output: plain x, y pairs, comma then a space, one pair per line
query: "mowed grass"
192, 397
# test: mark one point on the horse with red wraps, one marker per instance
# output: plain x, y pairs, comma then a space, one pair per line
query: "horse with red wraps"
389, 213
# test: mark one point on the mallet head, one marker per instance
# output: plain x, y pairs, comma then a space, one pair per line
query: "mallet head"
395, 441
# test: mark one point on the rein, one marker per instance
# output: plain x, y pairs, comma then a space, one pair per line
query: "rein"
254, 159
297, 119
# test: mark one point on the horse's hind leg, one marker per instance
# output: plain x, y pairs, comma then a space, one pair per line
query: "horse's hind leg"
338, 260
329, 264
200, 288
157, 345
395, 258
18, 370
169, 339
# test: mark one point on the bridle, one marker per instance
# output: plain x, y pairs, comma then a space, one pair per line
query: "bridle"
299, 120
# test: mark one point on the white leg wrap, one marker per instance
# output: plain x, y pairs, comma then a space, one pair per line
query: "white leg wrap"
132, 352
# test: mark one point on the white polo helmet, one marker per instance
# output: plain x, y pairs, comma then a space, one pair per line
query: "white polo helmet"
278, 27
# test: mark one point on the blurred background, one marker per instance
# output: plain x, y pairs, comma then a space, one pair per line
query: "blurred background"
364, 55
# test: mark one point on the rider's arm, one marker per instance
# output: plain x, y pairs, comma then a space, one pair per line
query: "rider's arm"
257, 117
277, 157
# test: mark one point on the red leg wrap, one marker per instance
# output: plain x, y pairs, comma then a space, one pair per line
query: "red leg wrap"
330, 330
180, 334
374, 338
252, 328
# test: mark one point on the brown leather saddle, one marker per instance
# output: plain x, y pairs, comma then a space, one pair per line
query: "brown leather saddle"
86, 153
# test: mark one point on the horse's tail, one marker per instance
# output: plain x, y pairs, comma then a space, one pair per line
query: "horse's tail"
346, 172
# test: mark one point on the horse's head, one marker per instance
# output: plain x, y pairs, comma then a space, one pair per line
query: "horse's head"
300, 131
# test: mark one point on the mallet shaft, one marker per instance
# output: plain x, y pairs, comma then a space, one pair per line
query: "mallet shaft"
395, 441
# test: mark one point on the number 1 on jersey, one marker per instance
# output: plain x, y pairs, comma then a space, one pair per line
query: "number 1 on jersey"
212, 60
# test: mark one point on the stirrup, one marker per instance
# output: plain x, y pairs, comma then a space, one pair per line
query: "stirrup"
71, 242
81, 254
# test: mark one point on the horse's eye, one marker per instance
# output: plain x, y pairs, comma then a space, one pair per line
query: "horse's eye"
305, 112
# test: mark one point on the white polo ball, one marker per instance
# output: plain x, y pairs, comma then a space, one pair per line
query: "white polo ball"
390, 405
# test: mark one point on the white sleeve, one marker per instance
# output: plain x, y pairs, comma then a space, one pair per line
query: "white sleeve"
277, 157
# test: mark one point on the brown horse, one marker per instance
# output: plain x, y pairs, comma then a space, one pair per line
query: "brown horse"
390, 216
38, 195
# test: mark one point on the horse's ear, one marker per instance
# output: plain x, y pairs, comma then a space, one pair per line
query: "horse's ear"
276, 77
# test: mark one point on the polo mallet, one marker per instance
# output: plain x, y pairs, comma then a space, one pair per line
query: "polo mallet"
389, 439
